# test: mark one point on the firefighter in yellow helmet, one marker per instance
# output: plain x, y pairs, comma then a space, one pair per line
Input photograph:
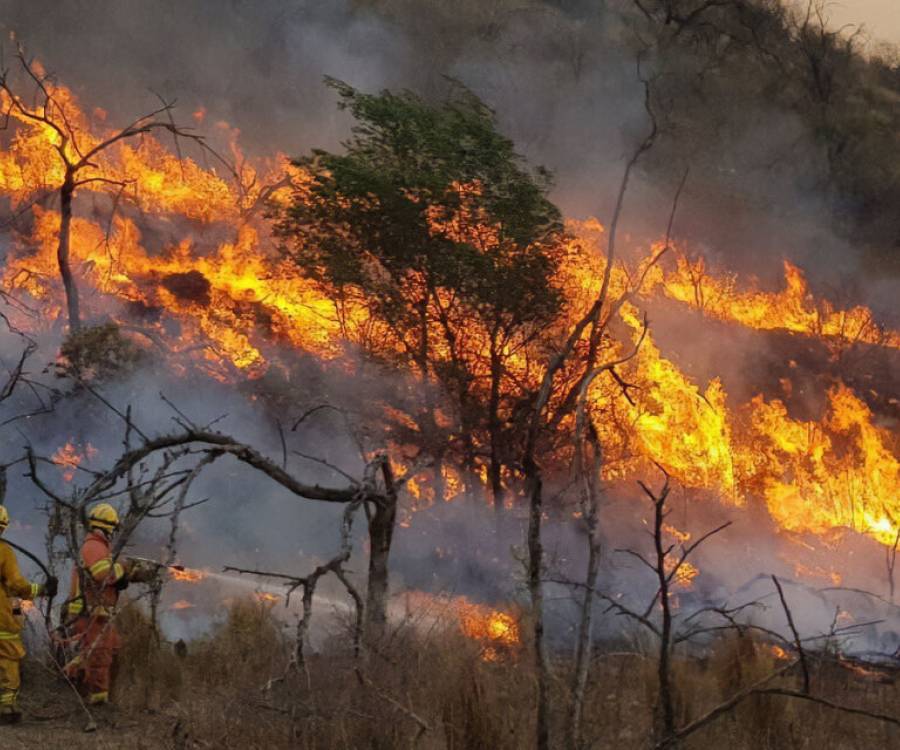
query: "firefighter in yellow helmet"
13, 585
97, 580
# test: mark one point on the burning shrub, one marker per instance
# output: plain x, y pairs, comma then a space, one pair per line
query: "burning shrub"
97, 353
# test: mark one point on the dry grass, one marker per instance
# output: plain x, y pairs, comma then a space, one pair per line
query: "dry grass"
428, 689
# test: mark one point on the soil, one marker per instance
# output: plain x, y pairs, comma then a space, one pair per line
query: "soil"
53, 717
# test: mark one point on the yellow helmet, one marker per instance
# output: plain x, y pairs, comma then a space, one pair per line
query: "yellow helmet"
104, 517
4, 519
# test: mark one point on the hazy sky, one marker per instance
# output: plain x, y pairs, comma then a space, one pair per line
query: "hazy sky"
880, 17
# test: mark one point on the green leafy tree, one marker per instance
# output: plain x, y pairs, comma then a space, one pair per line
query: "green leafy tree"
432, 223
98, 353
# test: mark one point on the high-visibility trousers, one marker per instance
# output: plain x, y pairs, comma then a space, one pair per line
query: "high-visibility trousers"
11, 653
98, 642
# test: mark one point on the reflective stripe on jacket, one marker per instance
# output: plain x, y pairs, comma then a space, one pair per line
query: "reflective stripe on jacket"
100, 577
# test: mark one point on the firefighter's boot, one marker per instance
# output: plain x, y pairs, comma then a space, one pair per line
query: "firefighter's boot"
9, 710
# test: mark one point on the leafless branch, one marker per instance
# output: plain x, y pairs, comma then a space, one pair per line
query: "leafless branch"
722, 709
797, 642
831, 704
308, 583
326, 464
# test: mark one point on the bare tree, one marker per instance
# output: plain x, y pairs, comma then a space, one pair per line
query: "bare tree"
588, 476
589, 479
802, 659
595, 324
307, 585
666, 569
666, 565
180, 456
79, 160
672, 629
15, 374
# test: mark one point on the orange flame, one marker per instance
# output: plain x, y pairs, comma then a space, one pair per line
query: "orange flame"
686, 574
217, 280
187, 575
497, 632
69, 458
792, 309
680, 536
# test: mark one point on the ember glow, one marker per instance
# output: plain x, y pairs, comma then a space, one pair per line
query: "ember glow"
69, 457
187, 575
496, 631
217, 282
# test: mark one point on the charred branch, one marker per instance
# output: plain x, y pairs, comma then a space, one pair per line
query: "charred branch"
152, 491
52, 113
307, 584
797, 642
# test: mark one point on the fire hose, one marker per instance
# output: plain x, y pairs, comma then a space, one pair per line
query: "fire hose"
157, 563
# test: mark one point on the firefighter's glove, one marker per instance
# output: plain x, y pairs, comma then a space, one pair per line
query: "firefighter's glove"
122, 583
51, 586
143, 571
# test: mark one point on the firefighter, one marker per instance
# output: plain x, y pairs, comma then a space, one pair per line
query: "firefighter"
12, 584
96, 583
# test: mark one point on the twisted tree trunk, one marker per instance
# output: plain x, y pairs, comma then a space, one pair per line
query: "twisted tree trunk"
381, 534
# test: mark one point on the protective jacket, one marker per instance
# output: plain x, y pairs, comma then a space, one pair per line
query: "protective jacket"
12, 585
92, 600
100, 576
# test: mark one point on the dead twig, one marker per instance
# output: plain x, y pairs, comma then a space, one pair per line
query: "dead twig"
797, 642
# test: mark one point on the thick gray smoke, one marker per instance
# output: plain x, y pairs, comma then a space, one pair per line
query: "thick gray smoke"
260, 66
244, 520
561, 75
249, 521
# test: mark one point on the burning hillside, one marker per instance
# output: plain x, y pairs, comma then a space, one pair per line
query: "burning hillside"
181, 257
